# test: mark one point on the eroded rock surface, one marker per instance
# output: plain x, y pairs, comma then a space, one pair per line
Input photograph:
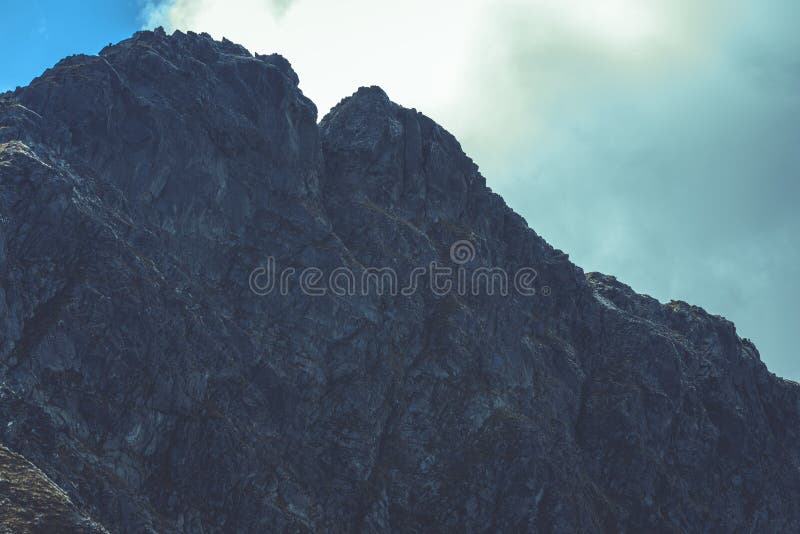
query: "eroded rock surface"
140, 188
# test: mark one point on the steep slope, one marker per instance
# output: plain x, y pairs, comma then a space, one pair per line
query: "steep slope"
139, 190
30, 502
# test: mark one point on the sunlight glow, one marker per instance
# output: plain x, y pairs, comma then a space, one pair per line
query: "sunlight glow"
623, 24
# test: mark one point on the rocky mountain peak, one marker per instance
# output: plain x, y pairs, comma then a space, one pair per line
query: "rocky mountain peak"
155, 388
406, 162
187, 128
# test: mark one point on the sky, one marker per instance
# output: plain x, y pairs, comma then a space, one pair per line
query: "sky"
658, 141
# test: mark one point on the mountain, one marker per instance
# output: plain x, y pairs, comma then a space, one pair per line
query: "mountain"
153, 380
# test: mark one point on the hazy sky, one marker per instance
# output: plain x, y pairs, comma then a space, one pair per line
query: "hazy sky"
657, 140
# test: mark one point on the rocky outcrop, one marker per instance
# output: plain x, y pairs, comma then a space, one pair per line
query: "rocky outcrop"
139, 190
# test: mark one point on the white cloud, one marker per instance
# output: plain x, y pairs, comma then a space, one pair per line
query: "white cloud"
442, 56
413, 49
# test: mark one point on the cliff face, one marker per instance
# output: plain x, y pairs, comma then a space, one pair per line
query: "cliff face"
139, 190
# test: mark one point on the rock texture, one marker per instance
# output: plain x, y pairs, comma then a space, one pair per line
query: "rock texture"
30, 502
140, 188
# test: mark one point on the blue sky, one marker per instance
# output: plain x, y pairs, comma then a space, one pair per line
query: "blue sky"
657, 141
36, 34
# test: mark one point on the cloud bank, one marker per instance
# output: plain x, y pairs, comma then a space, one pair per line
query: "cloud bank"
657, 141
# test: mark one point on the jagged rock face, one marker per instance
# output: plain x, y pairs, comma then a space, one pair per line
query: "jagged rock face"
138, 370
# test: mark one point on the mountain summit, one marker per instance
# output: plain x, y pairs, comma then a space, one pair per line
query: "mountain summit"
150, 385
